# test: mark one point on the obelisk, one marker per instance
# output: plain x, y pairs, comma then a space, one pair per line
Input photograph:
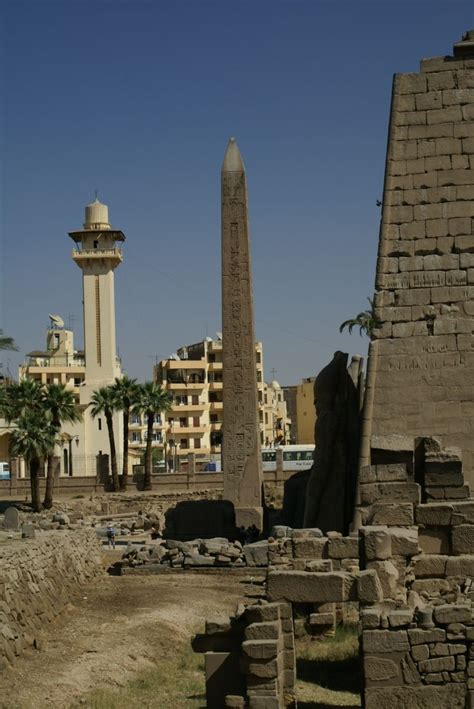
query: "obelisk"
242, 464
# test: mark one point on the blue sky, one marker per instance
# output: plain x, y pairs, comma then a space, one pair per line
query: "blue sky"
138, 98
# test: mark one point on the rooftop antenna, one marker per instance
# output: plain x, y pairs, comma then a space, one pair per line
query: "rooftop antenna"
96, 195
273, 372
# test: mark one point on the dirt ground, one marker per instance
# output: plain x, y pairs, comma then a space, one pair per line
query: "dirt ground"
113, 632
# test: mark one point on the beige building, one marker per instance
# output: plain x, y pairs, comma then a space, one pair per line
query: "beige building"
193, 377
277, 423
300, 403
97, 255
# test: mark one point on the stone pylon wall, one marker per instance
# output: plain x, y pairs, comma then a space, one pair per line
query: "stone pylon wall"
424, 348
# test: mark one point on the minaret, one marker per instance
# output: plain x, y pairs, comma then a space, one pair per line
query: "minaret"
242, 464
97, 255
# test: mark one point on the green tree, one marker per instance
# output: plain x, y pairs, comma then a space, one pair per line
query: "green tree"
60, 407
103, 401
127, 397
366, 321
32, 440
7, 343
153, 400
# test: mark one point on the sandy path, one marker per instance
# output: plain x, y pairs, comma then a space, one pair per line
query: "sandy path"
114, 630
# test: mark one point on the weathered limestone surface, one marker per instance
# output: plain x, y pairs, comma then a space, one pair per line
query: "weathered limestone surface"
37, 579
424, 349
241, 447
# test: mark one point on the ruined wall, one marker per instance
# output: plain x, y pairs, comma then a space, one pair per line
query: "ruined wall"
424, 349
37, 578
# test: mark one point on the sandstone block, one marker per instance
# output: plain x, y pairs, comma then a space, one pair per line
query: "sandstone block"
262, 631
388, 576
384, 492
418, 697
400, 618
310, 548
380, 669
404, 541
434, 514
460, 565
392, 515
420, 652
303, 587
377, 543
260, 649
383, 641
418, 636
437, 664
462, 539
429, 565
369, 589
434, 541
451, 613
343, 548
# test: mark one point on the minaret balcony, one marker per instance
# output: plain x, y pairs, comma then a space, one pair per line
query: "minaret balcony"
114, 256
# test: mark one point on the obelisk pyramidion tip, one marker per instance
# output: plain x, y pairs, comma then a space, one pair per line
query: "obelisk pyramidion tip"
232, 158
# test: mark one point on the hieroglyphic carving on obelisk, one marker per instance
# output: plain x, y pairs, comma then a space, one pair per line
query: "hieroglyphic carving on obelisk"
242, 464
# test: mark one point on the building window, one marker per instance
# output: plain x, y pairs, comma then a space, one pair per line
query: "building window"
157, 418
99, 424
258, 357
183, 422
136, 419
195, 399
96, 244
197, 442
195, 421
211, 357
183, 443
77, 381
136, 437
213, 418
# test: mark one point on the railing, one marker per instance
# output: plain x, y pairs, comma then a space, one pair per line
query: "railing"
96, 253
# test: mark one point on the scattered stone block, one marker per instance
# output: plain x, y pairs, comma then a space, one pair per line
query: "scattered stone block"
256, 554
381, 669
388, 576
303, 587
11, 518
377, 543
310, 548
369, 588
451, 613
404, 541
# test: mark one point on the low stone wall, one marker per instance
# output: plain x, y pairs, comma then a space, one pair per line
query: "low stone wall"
162, 483
37, 578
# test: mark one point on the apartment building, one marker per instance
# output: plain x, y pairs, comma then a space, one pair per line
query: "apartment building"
277, 422
193, 377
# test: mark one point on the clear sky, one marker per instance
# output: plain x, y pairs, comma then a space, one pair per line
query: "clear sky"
138, 98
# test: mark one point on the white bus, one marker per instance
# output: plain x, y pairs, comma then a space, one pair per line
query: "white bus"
295, 457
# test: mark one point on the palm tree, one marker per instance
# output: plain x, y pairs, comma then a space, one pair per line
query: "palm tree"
22, 397
60, 407
7, 343
366, 321
153, 400
103, 401
32, 440
127, 396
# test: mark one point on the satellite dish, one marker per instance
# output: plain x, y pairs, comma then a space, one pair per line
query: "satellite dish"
56, 321
219, 336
